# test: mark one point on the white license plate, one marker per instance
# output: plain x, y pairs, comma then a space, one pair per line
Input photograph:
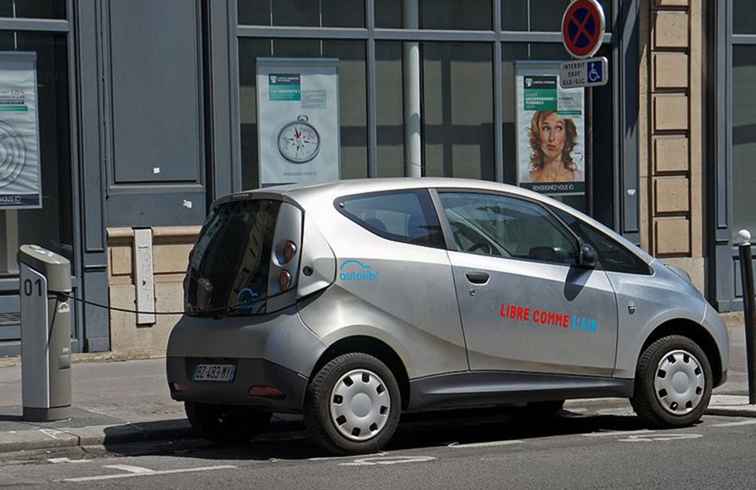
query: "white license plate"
214, 372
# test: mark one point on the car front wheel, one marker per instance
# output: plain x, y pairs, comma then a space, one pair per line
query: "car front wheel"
353, 404
673, 383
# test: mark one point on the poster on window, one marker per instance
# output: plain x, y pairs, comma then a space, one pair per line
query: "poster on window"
550, 131
298, 120
20, 175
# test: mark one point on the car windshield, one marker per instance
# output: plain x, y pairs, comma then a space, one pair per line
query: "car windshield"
228, 268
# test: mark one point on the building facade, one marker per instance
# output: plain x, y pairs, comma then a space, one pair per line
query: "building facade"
148, 111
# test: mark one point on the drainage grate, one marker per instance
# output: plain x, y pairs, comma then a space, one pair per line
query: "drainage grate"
9, 319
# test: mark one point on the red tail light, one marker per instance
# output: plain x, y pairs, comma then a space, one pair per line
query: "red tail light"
286, 251
284, 280
266, 392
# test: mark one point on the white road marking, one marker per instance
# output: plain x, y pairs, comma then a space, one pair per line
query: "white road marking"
617, 433
137, 470
385, 460
66, 460
150, 473
52, 433
735, 424
484, 444
661, 438
332, 458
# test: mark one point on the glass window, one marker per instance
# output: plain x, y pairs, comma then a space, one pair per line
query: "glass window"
744, 17
438, 14
404, 216
454, 14
230, 264
52, 225
743, 137
388, 14
33, 9
389, 108
501, 226
458, 110
302, 13
352, 98
613, 256
541, 15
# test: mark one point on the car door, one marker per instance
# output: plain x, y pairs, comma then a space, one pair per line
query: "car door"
525, 303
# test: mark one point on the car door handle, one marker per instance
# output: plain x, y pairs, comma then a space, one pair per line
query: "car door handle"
477, 277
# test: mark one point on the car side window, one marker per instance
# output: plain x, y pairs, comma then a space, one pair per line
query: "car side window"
401, 216
613, 256
503, 226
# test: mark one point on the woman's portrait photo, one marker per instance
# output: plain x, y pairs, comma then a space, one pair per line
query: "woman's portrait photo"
552, 140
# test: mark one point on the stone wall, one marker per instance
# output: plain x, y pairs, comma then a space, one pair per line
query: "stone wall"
170, 253
671, 133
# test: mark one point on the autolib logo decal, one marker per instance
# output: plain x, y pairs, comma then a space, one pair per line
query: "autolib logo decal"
354, 270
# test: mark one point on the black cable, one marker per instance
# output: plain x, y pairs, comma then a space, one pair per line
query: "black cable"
224, 310
124, 310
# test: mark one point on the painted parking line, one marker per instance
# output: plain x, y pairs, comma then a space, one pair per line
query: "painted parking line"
135, 471
660, 437
617, 433
67, 460
388, 460
485, 444
735, 424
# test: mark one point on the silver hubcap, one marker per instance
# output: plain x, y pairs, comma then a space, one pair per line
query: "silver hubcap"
360, 405
679, 382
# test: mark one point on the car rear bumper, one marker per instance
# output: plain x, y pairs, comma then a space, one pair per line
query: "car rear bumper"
249, 373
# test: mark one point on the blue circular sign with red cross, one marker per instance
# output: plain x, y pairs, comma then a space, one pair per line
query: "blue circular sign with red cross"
583, 27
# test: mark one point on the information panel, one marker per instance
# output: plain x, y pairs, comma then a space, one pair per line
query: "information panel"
298, 120
550, 131
20, 174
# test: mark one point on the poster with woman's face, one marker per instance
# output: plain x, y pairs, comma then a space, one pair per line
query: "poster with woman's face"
550, 134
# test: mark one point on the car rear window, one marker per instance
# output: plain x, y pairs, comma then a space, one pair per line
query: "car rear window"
229, 265
401, 216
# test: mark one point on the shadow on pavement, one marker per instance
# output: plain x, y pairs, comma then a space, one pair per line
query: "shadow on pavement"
289, 440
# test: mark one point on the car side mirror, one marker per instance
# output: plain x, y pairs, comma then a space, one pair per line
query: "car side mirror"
588, 256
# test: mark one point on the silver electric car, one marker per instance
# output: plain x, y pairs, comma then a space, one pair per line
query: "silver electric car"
355, 301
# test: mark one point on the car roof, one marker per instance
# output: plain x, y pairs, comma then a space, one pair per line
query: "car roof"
308, 193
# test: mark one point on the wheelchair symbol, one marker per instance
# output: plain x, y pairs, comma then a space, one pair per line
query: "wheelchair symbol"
594, 73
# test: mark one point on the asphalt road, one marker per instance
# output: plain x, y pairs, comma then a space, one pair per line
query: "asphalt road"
589, 450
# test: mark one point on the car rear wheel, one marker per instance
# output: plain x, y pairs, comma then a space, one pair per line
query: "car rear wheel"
353, 404
221, 423
673, 383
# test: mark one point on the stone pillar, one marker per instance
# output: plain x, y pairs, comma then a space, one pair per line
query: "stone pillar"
671, 133
170, 256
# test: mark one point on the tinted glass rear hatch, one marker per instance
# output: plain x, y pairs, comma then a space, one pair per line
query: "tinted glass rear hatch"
229, 266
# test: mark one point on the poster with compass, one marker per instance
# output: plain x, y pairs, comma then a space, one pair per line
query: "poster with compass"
298, 120
20, 175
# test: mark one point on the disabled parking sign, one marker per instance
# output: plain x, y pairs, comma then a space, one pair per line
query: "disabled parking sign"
592, 72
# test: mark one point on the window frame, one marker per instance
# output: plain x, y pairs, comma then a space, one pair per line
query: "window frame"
430, 208
449, 238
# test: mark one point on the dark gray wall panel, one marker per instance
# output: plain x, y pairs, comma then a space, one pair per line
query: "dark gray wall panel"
155, 91
225, 169
97, 321
90, 151
174, 208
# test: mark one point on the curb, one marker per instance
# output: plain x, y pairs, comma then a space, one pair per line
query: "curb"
732, 412
103, 435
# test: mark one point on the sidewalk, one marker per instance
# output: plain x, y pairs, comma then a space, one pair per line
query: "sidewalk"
128, 401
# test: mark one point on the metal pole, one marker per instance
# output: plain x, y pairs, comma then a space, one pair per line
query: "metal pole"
746, 274
413, 166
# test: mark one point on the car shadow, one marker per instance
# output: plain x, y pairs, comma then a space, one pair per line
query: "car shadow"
290, 440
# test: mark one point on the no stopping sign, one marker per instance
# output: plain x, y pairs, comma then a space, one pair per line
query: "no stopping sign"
583, 26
